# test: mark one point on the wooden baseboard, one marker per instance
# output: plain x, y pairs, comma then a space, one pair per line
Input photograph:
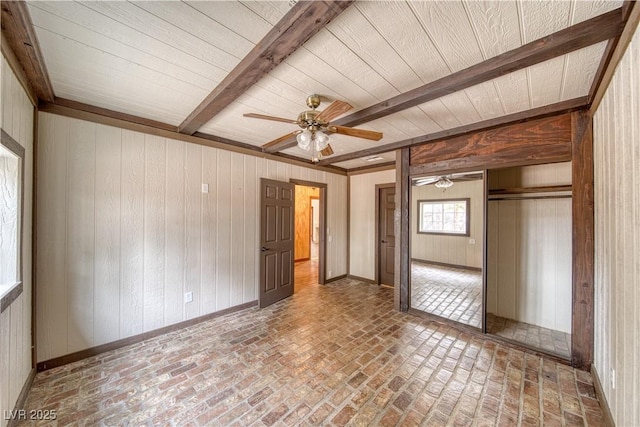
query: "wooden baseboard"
608, 416
444, 264
93, 351
22, 398
362, 279
333, 279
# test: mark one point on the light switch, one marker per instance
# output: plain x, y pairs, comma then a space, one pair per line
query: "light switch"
205, 188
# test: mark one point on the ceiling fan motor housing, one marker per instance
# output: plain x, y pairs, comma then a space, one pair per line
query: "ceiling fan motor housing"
307, 120
313, 101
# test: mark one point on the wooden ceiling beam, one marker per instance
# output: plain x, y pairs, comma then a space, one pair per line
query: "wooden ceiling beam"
80, 106
536, 113
21, 37
614, 53
587, 33
302, 21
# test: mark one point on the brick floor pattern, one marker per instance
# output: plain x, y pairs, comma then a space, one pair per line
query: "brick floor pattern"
456, 294
330, 355
452, 293
536, 336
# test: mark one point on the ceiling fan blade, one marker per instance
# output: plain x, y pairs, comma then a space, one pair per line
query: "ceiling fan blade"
466, 176
272, 118
358, 133
327, 151
426, 181
334, 109
282, 138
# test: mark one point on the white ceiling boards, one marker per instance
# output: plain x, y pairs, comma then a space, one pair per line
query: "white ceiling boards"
159, 60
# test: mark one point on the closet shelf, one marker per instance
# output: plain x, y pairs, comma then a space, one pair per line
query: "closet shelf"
524, 190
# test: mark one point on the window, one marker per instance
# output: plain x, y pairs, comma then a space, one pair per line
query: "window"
11, 155
444, 217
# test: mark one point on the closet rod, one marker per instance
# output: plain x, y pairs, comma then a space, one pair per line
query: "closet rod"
568, 196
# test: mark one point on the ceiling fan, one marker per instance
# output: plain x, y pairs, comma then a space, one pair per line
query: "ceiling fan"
446, 181
315, 125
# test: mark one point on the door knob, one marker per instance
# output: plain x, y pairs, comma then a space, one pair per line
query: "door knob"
263, 249
384, 241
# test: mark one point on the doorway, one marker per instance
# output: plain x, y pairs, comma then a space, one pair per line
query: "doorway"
385, 234
309, 226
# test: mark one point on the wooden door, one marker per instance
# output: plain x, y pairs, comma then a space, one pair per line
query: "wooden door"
276, 241
387, 235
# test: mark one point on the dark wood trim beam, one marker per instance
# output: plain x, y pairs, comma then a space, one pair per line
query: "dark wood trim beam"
627, 8
18, 30
17, 69
378, 167
534, 114
63, 102
209, 141
228, 141
546, 140
403, 235
10, 297
582, 327
602, 67
302, 21
595, 30
613, 55
11, 144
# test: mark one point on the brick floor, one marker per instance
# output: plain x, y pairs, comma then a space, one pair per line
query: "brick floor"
536, 336
452, 293
330, 355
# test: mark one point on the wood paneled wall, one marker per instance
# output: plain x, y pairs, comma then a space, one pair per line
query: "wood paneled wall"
529, 261
15, 322
303, 221
455, 250
127, 231
616, 127
529, 249
362, 221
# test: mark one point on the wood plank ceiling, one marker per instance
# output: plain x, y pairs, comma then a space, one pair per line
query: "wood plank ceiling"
160, 59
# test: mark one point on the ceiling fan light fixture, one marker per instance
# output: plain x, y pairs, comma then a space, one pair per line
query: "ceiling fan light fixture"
322, 140
444, 183
304, 139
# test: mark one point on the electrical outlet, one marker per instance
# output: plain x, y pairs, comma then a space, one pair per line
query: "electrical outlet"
613, 378
188, 297
472, 241
330, 274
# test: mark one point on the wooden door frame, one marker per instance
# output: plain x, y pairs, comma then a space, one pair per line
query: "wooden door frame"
322, 249
379, 187
311, 199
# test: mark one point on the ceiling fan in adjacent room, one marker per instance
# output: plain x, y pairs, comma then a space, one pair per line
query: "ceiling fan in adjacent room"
446, 181
316, 125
